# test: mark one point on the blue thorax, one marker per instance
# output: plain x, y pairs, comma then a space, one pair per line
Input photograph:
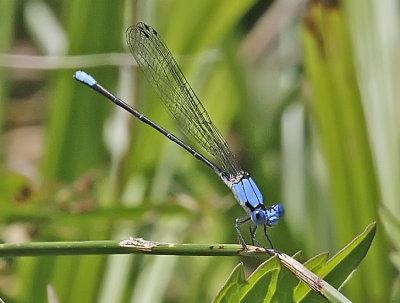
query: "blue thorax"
250, 198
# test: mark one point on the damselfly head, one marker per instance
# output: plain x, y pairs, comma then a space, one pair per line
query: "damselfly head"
273, 214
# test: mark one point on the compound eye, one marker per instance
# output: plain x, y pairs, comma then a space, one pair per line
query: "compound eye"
272, 221
280, 210
258, 217
274, 213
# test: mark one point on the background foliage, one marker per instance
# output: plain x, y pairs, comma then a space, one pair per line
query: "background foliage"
305, 93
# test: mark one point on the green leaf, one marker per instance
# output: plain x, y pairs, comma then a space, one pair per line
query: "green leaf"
317, 262
339, 106
338, 269
230, 292
269, 283
259, 287
348, 259
262, 284
286, 283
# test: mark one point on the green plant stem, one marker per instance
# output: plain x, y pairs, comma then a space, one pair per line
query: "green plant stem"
132, 246
141, 246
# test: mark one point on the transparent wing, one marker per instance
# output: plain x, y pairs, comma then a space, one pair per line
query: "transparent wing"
164, 74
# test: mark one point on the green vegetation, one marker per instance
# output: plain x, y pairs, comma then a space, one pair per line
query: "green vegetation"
306, 97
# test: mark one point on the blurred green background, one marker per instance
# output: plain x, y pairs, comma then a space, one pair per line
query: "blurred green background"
306, 94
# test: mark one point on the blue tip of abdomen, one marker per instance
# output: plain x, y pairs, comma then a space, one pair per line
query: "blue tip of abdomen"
85, 78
